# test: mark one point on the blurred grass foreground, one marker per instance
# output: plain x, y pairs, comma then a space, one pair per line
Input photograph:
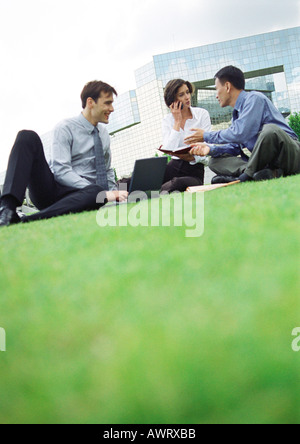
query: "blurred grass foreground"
142, 325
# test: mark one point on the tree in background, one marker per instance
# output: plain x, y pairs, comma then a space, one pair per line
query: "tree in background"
294, 122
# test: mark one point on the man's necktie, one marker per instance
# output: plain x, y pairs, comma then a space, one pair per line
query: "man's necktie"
245, 150
101, 174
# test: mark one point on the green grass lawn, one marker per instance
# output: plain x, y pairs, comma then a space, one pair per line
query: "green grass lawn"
143, 325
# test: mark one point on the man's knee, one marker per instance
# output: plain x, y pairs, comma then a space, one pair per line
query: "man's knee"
215, 164
270, 130
29, 140
28, 136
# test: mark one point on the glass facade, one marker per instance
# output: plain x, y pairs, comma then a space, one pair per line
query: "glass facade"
271, 63
120, 119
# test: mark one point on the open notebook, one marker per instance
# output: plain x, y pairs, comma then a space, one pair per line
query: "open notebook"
181, 150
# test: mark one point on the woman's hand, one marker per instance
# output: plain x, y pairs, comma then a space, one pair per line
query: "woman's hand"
177, 114
200, 149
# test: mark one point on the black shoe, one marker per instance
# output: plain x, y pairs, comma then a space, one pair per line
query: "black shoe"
8, 217
223, 179
245, 178
267, 174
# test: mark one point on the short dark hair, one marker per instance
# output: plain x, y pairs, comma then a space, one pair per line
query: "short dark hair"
172, 88
94, 90
233, 75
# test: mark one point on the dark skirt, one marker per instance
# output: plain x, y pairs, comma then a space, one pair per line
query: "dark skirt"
181, 174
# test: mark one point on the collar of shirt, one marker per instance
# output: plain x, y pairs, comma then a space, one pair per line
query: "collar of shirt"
240, 101
193, 110
87, 125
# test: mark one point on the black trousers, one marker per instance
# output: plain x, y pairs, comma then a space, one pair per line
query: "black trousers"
180, 175
28, 168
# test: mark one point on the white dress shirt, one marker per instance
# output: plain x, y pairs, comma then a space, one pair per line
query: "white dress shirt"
73, 153
173, 139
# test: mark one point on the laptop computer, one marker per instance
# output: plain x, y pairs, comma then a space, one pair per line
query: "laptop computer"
148, 176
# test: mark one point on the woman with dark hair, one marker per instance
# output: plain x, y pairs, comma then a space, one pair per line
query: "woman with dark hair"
185, 170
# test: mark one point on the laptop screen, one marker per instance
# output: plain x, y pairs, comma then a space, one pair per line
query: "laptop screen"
148, 174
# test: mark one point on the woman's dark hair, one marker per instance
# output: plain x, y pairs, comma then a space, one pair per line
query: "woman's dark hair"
172, 88
94, 90
233, 75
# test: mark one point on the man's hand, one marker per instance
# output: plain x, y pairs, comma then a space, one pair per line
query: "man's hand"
119, 196
200, 149
196, 137
185, 157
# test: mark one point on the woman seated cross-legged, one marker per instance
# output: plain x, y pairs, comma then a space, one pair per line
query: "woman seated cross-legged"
185, 170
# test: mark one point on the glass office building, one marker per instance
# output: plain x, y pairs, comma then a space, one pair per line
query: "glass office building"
271, 63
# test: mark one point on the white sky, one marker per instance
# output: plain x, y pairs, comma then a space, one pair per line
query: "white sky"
50, 48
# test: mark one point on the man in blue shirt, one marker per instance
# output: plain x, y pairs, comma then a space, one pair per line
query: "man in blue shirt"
259, 145
79, 169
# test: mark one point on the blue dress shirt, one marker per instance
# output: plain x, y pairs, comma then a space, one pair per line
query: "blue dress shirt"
252, 111
72, 159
